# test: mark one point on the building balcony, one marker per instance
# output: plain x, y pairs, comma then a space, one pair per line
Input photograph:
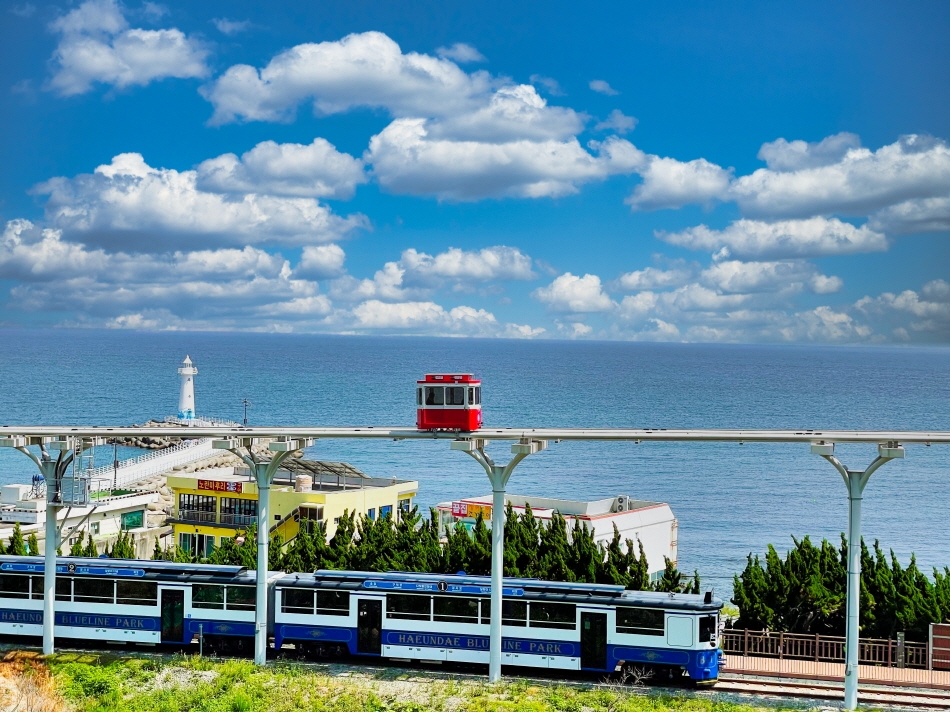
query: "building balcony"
193, 515
239, 520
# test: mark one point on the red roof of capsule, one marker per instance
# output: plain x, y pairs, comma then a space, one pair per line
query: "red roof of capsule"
449, 378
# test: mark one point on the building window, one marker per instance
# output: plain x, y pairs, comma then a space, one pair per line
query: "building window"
371, 513
386, 511
196, 508
238, 512
94, 528
200, 545
133, 520
404, 505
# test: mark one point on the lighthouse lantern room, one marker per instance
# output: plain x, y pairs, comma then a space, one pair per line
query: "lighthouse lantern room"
186, 398
447, 401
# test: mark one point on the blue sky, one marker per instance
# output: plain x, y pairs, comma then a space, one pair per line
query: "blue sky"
745, 172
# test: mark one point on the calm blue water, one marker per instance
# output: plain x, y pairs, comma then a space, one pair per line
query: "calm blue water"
729, 499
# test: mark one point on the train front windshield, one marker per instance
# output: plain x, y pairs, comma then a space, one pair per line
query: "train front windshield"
451, 395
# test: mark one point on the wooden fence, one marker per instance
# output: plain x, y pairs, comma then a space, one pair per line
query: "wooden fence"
822, 648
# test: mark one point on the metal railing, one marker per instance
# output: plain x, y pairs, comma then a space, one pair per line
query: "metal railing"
200, 422
822, 648
239, 520
194, 515
151, 463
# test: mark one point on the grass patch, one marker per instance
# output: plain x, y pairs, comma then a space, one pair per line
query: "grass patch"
110, 683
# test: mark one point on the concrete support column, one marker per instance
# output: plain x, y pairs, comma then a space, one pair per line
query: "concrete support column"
49, 577
263, 521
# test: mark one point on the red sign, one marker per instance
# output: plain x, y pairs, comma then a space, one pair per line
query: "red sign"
459, 509
221, 486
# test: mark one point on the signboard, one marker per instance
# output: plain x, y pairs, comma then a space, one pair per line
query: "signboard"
72, 569
221, 486
133, 520
468, 509
19, 516
438, 587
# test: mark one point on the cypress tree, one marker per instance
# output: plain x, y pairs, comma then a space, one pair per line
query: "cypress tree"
275, 552
616, 569
479, 553
33, 544
409, 553
584, 557
430, 545
639, 568
225, 554
77, 548
338, 555
513, 541
90, 550
157, 554
17, 545
458, 544
672, 581
124, 547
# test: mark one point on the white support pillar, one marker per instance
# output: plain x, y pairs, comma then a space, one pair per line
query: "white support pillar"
49, 576
498, 475
855, 482
263, 471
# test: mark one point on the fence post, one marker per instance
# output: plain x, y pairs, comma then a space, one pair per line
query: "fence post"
781, 645
890, 645
817, 645
900, 649
745, 642
930, 648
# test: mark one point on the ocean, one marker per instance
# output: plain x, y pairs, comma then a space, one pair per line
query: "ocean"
730, 499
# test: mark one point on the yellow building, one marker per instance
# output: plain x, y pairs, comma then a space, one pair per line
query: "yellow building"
218, 503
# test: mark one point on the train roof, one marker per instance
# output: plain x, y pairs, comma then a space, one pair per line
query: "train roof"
130, 568
462, 584
444, 378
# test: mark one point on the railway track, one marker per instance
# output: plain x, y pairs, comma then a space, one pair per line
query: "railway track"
729, 683
876, 695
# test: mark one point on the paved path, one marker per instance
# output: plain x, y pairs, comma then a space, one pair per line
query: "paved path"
811, 670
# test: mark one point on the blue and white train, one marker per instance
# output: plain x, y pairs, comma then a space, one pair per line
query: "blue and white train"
405, 616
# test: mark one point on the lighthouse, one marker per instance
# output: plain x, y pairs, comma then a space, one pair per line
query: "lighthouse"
186, 399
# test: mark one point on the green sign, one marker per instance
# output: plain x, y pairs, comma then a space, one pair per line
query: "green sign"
133, 520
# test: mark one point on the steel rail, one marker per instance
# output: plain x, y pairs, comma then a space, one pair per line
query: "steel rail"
547, 434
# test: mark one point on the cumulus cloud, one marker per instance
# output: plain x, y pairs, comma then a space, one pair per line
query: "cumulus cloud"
929, 309
570, 293
406, 159
782, 155
617, 121
320, 262
668, 183
749, 277
551, 85
461, 52
653, 278
425, 317
859, 182
367, 69
602, 87
814, 237
921, 215
129, 204
96, 45
316, 170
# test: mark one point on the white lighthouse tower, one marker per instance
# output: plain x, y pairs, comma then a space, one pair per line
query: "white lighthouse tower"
186, 399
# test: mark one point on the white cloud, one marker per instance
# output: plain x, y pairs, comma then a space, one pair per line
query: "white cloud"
231, 27
128, 204
749, 277
320, 261
790, 238
617, 121
461, 52
551, 85
485, 265
96, 45
929, 309
653, 278
316, 170
912, 168
570, 293
426, 317
668, 183
782, 155
602, 87
406, 159
921, 215
366, 69
523, 331
658, 330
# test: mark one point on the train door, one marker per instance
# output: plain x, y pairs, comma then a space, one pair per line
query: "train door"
593, 640
369, 626
173, 615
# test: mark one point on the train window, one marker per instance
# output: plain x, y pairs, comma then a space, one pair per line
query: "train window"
333, 603
206, 596
453, 609
640, 621
455, 395
14, 586
241, 598
434, 395
401, 605
94, 590
553, 615
512, 612
707, 628
136, 593
293, 600
471, 396
419, 396
37, 587
478, 395
64, 589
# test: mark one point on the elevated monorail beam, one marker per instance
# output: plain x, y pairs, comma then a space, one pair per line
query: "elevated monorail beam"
547, 434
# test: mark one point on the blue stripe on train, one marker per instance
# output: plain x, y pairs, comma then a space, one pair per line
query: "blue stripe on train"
82, 620
327, 634
700, 664
196, 626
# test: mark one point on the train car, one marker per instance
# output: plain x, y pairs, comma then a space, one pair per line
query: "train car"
131, 601
447, 401
545, 624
